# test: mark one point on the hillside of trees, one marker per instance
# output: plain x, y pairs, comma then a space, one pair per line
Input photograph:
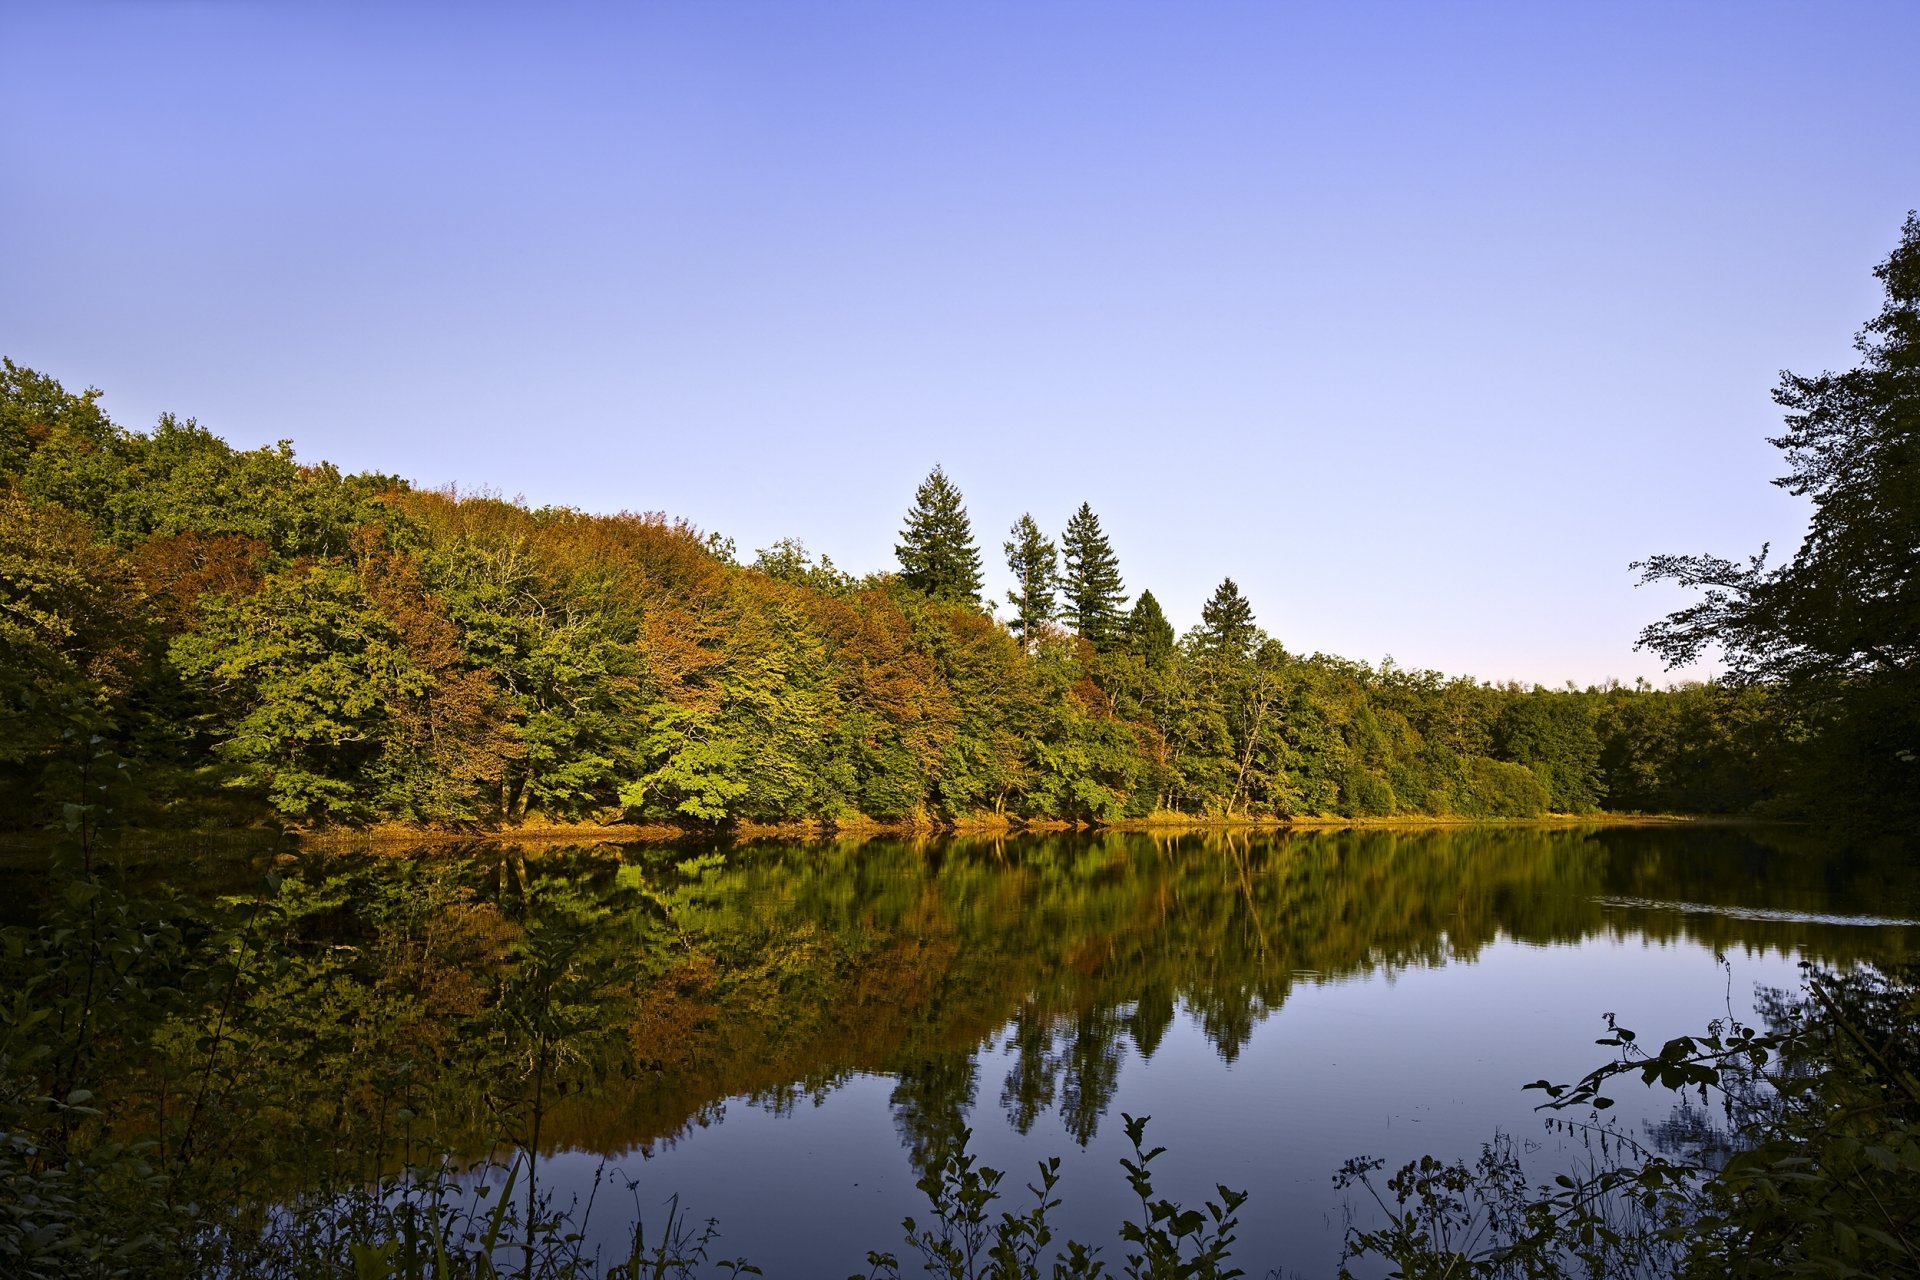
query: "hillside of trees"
266, 640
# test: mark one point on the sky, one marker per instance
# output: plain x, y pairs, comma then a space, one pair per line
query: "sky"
1419, 321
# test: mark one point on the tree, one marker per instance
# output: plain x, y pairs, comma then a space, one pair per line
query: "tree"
1095, 594
70, 626
1553, 733
1036, 574
306, 675
789, 561
35, 409
1849, 601
1840, 623
1226, 621
1149, 634
936, 550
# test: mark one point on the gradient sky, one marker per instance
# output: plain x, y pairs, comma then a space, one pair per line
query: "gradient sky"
1421, 321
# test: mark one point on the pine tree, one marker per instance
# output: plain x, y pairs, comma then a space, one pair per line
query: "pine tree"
1095, 594
1226, 621
936, 550
1036, 574
1149, 634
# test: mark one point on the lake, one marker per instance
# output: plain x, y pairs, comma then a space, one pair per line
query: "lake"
786, 1035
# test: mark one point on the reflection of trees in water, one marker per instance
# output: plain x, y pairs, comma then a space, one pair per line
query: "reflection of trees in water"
1072, 1061
1096, 942
1033, 1080
931, 1099
774, 972
1150, 1019
1092, 1070
1227, 1018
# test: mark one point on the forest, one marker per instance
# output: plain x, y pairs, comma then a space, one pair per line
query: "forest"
271, 642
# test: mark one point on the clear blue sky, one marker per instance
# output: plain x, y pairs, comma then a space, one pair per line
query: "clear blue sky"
1420, 320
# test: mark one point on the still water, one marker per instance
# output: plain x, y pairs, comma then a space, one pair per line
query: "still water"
785, 1035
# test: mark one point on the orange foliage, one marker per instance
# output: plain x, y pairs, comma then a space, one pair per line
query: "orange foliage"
458, 721
177, 569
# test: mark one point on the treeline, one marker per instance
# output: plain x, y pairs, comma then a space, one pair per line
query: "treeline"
269, 639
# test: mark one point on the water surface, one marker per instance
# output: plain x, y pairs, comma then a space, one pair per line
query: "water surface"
786, 1036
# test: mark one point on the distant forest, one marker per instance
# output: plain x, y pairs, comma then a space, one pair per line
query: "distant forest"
257, 639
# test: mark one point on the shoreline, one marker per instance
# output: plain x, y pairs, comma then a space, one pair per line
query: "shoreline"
394, 835
830, 829
391, 836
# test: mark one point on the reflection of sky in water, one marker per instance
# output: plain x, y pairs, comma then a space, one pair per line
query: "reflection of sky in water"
1423, 1060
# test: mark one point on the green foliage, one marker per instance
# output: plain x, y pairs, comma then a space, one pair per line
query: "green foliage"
37, 412
1169, 1240
1496, 789
1148, 632
1226, 622
1034, 564
1486, 1221
937, 554
275, 641
69, 626
307, 670
965, 1241
788, 561
1095, 597
1556, 738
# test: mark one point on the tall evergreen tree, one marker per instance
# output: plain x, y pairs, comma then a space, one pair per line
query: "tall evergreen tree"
1095, 594
1032, 560
1149, 634
936, 550
1226, 621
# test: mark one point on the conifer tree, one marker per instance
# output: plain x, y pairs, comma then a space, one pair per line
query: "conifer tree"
936, 550
1149, 634
1226, 621
1095, 594
1032, 560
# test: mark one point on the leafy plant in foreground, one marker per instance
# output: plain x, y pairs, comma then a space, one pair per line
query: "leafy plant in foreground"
965, 1242
1816, 1174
